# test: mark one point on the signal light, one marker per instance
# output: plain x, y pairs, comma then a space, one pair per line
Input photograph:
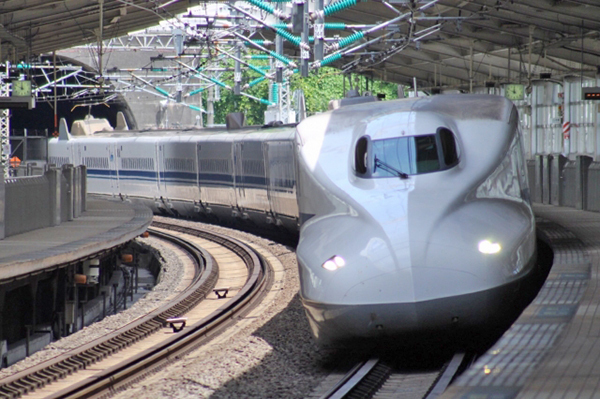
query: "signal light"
591, 93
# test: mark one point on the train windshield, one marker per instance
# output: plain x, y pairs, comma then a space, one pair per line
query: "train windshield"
413, 155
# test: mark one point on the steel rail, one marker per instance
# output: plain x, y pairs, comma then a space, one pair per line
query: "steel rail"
367, 377
352, 379
122, 375
450, 371
67, 363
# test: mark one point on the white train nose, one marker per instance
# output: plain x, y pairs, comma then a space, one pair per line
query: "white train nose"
389, 286
370, 270
379, 267
390, 298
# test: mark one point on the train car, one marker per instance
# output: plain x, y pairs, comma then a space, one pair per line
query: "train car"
247, 176
413, 215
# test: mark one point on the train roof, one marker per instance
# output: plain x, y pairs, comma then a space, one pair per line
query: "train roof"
190, 131
456, 106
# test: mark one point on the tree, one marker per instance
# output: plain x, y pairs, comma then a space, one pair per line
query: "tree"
319, 88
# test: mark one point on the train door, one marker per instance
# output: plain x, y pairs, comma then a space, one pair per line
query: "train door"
197, 171
161, 181
254, 175
77, 160
238, 174
216, 174
280, 161
113, 161
268, 184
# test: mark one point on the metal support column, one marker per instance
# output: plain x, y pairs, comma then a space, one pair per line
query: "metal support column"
210, 117
4, 122
279, 50
471, 73
237, 75
75, 305
319, 31
2, 298
304, 52
287, 113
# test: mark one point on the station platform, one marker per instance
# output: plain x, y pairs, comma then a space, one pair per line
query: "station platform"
553, 348
105, 224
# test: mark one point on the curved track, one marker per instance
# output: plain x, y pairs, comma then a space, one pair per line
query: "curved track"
150, 355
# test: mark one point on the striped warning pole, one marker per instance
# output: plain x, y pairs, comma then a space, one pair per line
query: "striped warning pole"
567, 130
567, 137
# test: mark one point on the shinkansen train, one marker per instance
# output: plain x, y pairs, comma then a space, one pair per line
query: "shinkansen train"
413, 215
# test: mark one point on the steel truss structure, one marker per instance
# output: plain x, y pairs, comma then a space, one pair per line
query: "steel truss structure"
438, 44
4, 124
214, 46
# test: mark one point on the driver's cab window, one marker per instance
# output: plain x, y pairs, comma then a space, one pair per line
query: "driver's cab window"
410, 155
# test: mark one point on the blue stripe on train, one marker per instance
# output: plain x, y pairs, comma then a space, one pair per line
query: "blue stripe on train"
205, 179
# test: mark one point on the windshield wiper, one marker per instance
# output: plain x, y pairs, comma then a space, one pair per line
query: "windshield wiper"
389, 168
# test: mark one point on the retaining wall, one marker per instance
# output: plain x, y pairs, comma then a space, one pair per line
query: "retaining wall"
36, 202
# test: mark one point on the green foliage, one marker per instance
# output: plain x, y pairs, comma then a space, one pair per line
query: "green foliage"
319, 88
254, 110
229, 102
328, 84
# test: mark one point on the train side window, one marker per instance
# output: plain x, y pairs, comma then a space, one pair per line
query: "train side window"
361, 155
448, 144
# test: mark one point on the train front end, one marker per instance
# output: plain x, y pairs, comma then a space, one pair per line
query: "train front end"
415, 217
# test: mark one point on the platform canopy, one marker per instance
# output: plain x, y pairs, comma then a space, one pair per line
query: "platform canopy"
33, 27
479, 39
450, 43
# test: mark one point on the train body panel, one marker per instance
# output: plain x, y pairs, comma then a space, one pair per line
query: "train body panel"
137, 168
280, 162
250, 176
412, 215
178, 168
216, 175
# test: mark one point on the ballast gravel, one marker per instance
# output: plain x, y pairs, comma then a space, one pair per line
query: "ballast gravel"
274, 356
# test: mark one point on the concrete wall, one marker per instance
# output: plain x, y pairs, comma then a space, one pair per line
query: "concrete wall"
36, 202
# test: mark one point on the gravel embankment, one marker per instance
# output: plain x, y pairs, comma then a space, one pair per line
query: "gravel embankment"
272, 357
168, 286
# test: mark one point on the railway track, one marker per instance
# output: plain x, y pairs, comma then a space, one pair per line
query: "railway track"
375, 378
210, 302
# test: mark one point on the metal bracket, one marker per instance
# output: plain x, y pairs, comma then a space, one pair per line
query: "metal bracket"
221, 292
177, 323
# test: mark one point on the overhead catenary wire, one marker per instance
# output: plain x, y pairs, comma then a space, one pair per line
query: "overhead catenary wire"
280, 57
359, 35
225, 86
279, 31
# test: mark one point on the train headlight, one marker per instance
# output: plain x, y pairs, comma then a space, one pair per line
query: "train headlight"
488, 247
334, 263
